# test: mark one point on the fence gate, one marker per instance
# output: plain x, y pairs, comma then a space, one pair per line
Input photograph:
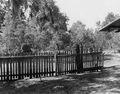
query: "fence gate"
80, 60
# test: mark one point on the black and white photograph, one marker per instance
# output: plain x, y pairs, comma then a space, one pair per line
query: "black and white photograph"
59, 46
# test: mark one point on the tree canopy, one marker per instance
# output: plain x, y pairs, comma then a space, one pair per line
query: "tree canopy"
38, 28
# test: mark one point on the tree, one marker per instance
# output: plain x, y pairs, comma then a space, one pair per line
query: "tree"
109, 18
44, 20
103, 39
81, 35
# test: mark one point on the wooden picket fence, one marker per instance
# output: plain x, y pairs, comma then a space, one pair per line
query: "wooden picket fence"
42, 64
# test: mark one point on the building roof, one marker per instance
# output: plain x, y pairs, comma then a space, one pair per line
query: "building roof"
114, 25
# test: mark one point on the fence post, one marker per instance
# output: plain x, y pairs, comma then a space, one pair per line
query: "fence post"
81, 59
77, 58
55, 61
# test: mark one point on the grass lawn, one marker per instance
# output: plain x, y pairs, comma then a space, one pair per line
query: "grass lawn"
105, 82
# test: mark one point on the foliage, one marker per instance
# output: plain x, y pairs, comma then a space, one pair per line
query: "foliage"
105, 39
81, 35
43, 25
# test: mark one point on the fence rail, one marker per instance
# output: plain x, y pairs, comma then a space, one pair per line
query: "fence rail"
19, 66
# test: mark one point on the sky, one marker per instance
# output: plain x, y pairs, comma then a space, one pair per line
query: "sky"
88, 11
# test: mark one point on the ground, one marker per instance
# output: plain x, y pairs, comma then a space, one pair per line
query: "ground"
105, 82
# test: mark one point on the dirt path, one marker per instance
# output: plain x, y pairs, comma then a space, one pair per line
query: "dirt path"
105, 82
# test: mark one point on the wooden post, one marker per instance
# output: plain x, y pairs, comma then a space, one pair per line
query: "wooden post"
55, 61
77, 58
81, 59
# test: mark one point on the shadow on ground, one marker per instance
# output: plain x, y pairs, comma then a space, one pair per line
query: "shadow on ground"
105, 82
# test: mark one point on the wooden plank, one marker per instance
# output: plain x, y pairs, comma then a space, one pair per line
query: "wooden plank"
25, 66
55, 62
65, 64
72, 62
75, 64
16, 63
61, 65
4, 63
57, 65
33, 67
7, 69
52, 66
13, 76
68, 62
19, 68
41, 65
97, 62
49, 63
37, 66
92, 65
44, 60
22, 67
30, 62
1, 69
28, 67
13, 70
10, 68
47, 74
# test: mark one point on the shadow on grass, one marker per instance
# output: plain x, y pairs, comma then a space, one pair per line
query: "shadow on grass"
107, 80
108, 56
85, 83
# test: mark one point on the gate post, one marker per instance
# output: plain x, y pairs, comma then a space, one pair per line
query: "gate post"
79, 58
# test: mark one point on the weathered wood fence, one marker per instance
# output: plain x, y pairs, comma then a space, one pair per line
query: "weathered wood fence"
41, 64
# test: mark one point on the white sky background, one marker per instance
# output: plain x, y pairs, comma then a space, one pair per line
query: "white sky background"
88, 11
